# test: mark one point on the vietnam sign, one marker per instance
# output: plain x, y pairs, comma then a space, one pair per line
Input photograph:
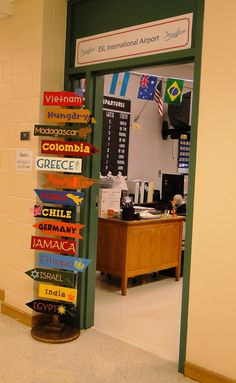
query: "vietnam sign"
48, 307
67, 214
57, 164
61, 229
60, 131
60, 197
63, 262
62, 99
56, 292
82, 116
68, 148
54, 245
58, 277
62, 181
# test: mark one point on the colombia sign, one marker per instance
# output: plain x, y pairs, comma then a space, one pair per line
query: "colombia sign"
48, 307
62, 99
60, 197
68, 148
61, 229
58, 293
62, 181
54, 245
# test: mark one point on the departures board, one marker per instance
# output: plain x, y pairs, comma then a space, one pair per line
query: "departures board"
115, 136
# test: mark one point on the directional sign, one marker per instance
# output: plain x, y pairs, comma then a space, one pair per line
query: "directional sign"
60, 229
54, 245
48, 307
60, 131
63, 262
58, 164
68, 148
60, 197
68, 181
57, 292
62, 99
69, 115
65, 213
58, 277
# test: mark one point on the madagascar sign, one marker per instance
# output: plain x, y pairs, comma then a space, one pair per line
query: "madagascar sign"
62, 99
60, 131
60, 197
63, 262
56, 164
67, 148
82, 116
58, 277
40, 211
61, 229
58, 293
54, 245
48, 307
68, 181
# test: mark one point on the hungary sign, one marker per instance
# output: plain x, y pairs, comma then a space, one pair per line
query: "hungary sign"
48, 307
40, 211
57, 164
58, 293
69, 115
60, 197
60, 131
54, 245
62, 181
62, 99
58, 277
61, 229
63, 262
68, 148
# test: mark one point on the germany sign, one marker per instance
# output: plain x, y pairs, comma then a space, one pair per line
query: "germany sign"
58, 277
61, 229
63, 262
60, 197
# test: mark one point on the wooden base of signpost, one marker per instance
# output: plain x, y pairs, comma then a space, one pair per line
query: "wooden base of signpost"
55, 332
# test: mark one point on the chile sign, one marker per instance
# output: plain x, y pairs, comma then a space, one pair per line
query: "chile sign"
63, 262
48, 307
57, 164
62, 181
61, 229
60, 197
68, 148
57, 292
58, 277
54, 245
40, 211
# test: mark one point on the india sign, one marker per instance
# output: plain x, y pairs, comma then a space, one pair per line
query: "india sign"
57, 292
58, 277
60, 197
68, 148
48, 307
61, 229
82, 116
62, 99
62, 181
54, 245
57, 164
63, 262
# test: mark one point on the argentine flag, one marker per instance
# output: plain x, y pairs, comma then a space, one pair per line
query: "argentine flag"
119, 83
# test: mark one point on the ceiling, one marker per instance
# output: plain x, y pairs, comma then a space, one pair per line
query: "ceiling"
5, 8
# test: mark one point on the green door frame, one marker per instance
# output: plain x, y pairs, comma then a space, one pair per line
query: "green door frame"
94, 95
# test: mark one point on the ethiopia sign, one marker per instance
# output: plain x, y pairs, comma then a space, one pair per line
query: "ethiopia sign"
48, 307
61, 229
58, 293
54, 245
40, 211
60, 197
160, 36
62, 99
59, 277
68, 148
56, 164
82, 116
68, 181
63, 262
59, 131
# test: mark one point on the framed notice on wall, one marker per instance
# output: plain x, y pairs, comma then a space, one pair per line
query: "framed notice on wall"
115, 136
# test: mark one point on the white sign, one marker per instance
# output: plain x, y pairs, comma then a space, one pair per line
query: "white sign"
58, 164
161, 36
24, 159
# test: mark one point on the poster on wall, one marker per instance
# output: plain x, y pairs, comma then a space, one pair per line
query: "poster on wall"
115, 136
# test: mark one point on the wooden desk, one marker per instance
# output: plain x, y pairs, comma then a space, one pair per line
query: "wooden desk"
130, 248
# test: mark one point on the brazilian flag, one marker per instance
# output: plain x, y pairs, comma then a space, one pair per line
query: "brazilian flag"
174, 90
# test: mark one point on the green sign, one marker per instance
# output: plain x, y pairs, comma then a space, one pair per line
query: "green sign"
58, 277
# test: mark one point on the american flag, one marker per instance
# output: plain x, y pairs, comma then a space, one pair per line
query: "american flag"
158, 98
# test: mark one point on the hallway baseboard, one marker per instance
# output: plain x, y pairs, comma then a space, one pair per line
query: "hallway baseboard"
21, 316
203, 375
2, 295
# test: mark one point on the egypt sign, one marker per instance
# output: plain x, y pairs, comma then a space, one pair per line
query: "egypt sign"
62, 99
54, 245
60, 131
62, 181
82, 116
68, 148
48, 307
67, 213
63, 262
60, 197
61, 229
57, 164
58, 277
56, 292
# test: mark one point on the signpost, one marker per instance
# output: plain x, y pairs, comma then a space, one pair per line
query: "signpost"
60, 197
59, 277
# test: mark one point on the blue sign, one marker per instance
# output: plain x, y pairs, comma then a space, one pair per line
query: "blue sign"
63, 262
60, 197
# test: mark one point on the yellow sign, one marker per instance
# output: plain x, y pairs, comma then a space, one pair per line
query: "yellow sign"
57, 292
69, 115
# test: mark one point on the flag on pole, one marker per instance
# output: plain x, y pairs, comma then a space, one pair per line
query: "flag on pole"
119, 83
174, 90
147, 87
158, 98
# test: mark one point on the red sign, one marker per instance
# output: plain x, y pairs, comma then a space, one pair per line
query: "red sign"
62, 99
60, 229
54, 245
68, 148
62, 181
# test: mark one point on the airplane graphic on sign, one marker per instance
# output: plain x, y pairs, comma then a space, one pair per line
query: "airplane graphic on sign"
60, 197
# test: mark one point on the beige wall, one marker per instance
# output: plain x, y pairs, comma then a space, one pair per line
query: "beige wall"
32, 49
212, 314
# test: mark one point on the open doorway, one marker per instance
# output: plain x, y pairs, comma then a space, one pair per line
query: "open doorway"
149, 315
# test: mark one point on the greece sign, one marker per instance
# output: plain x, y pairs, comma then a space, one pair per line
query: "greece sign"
57, 164
160, 36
